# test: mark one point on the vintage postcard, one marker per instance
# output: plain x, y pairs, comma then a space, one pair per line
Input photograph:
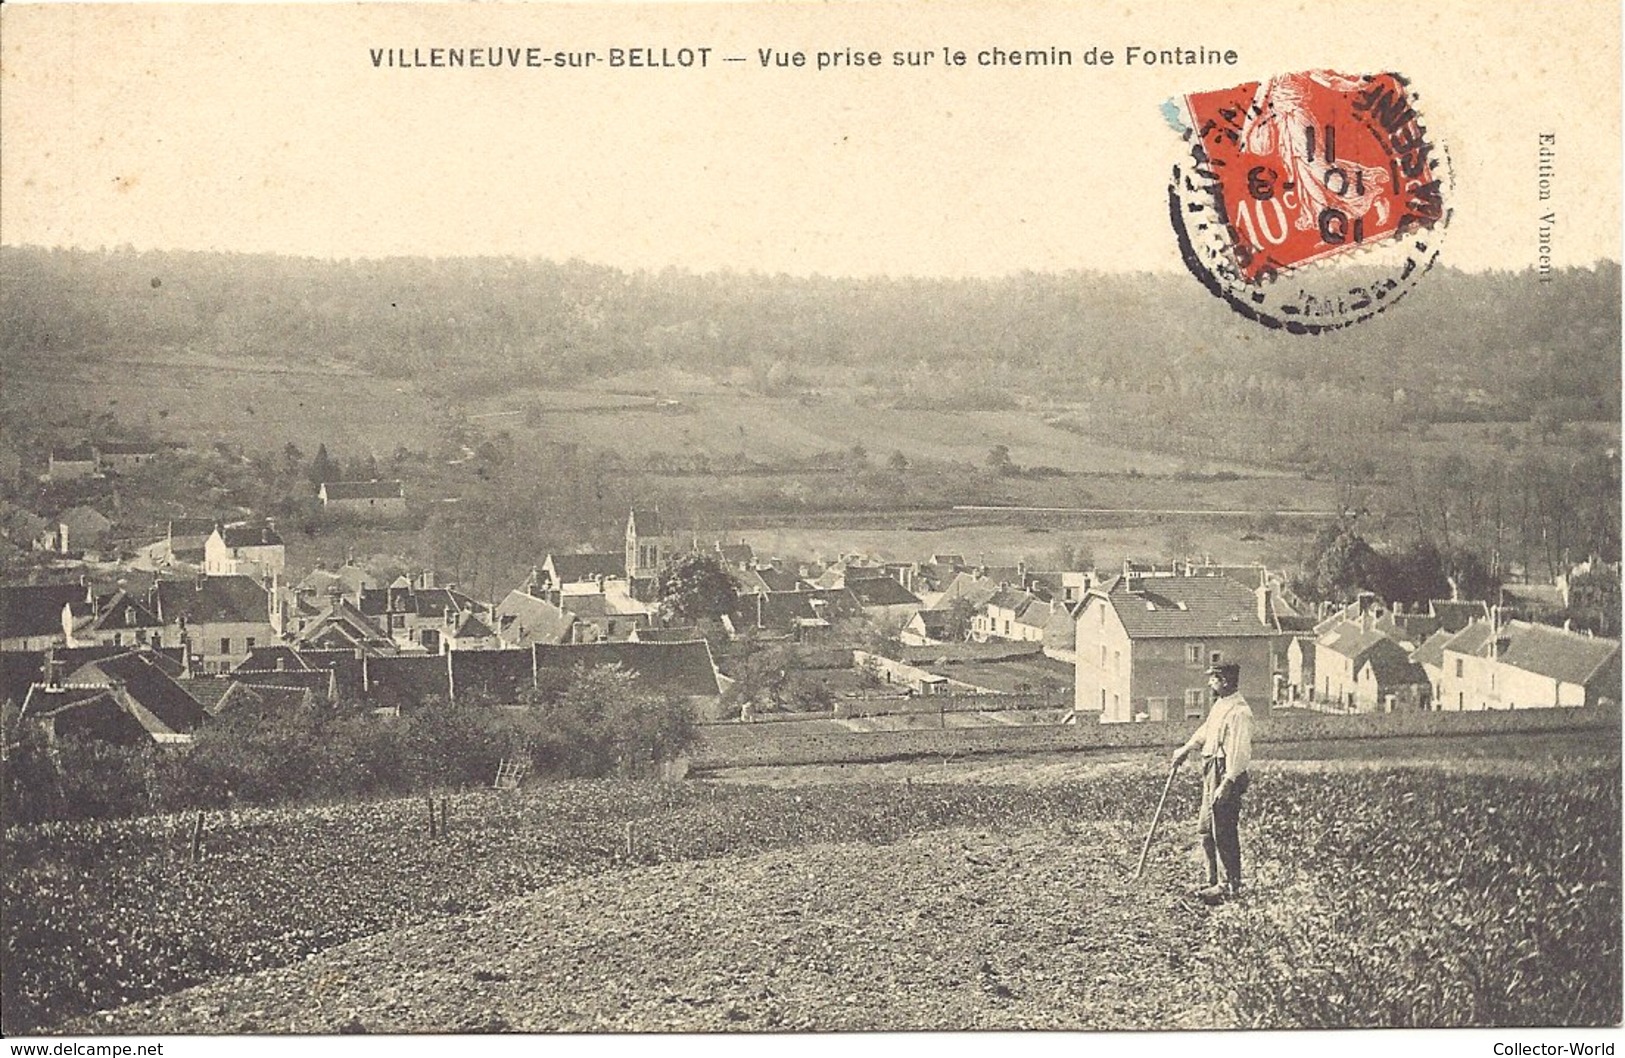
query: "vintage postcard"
617, 518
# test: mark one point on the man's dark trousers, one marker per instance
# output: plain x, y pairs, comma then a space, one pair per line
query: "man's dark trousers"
1220, 823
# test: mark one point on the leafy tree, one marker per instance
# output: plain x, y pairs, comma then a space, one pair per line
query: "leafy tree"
898, 463
1340, 564
762, 676
606, 723
322, 467
999, 461
1414, 576
695, 587
1594, 600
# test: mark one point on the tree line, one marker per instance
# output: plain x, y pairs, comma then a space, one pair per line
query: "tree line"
478, 322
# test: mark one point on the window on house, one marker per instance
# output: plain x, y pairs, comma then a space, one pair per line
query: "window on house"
248, 644
1103, 656
1193, 653
129, 617
1214, 658
1117, 661
225, 645
118, 639
1195, 701
1458, 668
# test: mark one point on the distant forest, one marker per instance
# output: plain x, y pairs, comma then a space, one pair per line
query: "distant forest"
1489, 346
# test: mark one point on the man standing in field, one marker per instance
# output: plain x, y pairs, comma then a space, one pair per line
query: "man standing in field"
1226, 741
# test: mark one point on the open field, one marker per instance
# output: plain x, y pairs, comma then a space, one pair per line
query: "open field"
914, 898
1007, 545
196, 400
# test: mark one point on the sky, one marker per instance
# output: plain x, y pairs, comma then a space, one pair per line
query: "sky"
268, 128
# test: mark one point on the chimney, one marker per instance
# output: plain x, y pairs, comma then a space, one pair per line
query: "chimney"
1265, 604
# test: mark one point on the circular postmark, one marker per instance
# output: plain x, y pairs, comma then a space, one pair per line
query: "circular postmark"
1289, 176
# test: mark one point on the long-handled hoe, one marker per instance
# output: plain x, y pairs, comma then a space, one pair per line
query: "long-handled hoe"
1155, 819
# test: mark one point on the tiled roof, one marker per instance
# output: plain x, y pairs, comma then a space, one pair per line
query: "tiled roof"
125, 448
1186, 607
1471, 639
350, 623
99, 717
1012, 600
1454, 615
123, 610
201, 527
364, 490
1038, 612
969, 587
473, 628
1410, 627
523, 619
1392, 665
434, 602
1566, 656
77, 454
246, 535
36, 609
1431, 652
678, 634
779, 579
881, 591
276, 657
40, 698
205, 600
747, 582
1351, 639
662, 668
777, 610
83, 520
737, 554
260, 699
933, 621
572, 569
346, 578
147, 685
21, 668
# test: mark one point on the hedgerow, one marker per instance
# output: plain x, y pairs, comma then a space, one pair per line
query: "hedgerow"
598, 723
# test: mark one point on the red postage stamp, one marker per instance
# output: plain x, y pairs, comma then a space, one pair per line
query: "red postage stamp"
1298, 169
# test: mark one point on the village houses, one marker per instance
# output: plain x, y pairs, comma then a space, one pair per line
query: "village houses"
1145, 640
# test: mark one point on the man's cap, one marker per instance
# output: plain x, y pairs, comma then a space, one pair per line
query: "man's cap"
1225, 670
